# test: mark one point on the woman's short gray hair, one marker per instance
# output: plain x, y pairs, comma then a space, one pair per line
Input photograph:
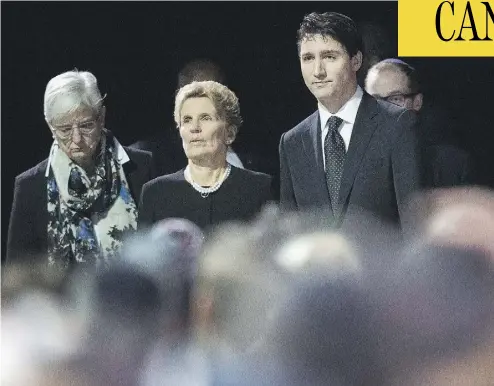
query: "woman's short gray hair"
82, 86
224, 100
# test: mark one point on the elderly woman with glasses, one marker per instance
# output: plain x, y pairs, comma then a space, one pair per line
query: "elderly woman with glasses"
209, 190
75, 207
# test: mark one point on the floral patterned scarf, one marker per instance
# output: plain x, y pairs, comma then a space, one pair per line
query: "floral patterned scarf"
88, 215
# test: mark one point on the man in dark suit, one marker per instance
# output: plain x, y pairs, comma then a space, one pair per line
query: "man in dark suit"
445, 163
355, 154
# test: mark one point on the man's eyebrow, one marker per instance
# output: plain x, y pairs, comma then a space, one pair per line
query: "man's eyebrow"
324, 52
330, 52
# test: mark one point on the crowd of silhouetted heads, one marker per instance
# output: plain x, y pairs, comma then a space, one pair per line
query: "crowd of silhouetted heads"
283, 300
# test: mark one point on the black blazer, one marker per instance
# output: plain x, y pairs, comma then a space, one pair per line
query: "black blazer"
381, 169
240, 197
27, 236
447, 166
167, 151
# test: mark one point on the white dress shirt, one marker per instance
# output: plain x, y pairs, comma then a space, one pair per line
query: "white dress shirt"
347, 113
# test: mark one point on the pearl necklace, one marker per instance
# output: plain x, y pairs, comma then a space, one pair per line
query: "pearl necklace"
205, 192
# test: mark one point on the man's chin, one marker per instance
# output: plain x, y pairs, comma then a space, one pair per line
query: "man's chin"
322, 94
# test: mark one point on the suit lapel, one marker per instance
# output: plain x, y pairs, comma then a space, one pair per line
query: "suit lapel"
313, 150
364, 127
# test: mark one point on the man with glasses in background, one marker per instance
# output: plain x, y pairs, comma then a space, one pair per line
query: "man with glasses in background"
397, 82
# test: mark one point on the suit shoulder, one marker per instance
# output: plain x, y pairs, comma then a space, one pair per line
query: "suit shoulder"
397, 120
138, 154
393, 111
301, 127
141, 145
33, 173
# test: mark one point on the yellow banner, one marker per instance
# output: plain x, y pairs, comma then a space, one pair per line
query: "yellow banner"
445, 28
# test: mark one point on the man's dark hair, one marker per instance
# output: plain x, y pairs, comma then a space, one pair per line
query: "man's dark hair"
331, 24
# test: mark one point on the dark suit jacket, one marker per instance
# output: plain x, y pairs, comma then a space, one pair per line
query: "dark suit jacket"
27, 237
446, 163
167, 151
448, 166
381, 169
240, 197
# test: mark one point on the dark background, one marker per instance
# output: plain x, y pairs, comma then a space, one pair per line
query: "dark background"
135, 49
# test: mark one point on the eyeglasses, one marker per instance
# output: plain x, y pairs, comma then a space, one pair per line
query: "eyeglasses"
398, 99
85, 128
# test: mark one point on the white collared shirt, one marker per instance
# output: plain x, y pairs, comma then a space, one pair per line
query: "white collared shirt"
122, 156
347, 113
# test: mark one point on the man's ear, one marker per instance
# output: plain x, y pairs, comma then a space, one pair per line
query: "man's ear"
356, 61
417, 101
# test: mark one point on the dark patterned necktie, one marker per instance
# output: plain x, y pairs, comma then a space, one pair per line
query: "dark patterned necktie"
334, 153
